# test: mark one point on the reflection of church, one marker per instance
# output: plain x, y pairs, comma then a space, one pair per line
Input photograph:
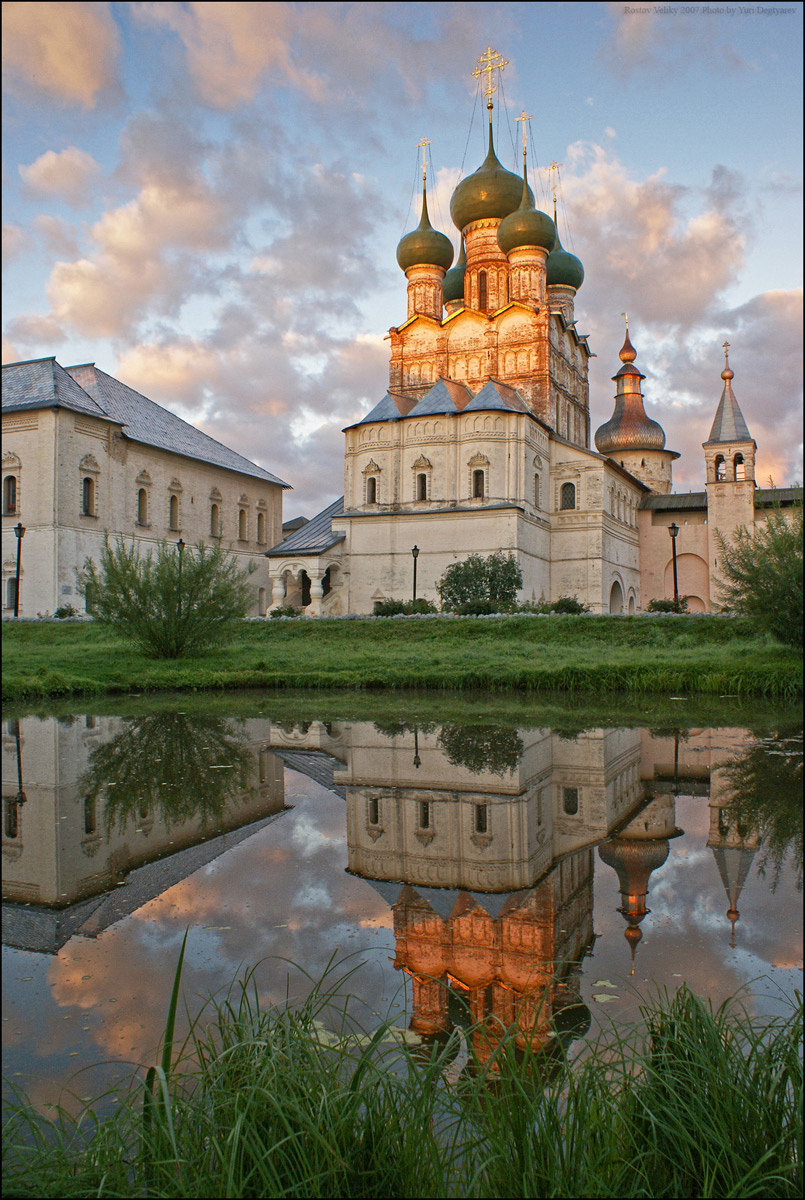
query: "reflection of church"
482, 441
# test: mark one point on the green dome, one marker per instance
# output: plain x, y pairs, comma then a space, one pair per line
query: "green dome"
424, 246
491, 191
526, 227
453, 282
564, 268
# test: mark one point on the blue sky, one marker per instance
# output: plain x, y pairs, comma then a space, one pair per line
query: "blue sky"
205, 200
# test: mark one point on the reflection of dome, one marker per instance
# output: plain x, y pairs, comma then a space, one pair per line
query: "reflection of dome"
633, 862
629, 428
491, 191
526, 226
424, 246
563, 267
453, 282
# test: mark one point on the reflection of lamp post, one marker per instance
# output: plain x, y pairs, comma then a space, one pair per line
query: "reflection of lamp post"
20, 797
415, 556
180, 548
19, 533
417, 759
673, 529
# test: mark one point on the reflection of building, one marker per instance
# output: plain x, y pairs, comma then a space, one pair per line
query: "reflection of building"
733, 844
73, 862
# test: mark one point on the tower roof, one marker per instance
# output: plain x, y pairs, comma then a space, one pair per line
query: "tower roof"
424, 245
729, 424
491, 191
629, 428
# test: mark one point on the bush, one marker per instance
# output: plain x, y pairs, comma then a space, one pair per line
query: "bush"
668, 606
169, 604
287, 610
397, 608
492, 581
64, 611
762, 576
569, 604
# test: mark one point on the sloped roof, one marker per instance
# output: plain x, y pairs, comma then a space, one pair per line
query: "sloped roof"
42, 383
446, 396
384, 410
313, 538
146, 421
729, 424
497, 395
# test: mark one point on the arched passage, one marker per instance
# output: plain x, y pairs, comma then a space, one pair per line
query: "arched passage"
616, 598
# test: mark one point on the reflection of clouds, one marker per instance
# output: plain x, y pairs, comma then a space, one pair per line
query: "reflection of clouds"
313, 895
309, 838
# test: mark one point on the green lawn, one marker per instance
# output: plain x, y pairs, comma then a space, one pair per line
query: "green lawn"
709, 655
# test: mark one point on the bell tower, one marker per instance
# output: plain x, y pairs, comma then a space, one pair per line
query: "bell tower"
729, 455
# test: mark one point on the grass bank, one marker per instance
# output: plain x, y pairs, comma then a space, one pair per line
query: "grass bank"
706, 655
278, 1102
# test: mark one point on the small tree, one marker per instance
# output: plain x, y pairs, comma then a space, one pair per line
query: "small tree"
481, 584
762, 576
169, 603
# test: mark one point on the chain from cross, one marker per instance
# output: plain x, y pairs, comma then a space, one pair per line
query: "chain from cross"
489, 62
423, 143
626, 319
554, 167
524, 116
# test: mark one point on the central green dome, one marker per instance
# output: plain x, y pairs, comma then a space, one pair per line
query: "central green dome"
491, 191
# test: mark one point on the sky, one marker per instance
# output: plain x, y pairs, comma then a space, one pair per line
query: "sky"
205, 199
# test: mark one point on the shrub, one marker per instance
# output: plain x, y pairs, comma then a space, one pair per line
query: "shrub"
569, 604
475, 581
286, 610
396, 608
66, 610
668, 606
762, 576
169, 604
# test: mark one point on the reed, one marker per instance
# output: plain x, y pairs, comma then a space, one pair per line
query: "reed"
306, 1102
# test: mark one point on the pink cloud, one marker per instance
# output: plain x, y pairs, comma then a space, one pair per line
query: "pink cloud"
66, 50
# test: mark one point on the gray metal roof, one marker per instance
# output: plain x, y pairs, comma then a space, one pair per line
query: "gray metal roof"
313, 538
145, 421
771, 497
496, 395
446, 396
729, 424
385, 410
673, 502
42, 383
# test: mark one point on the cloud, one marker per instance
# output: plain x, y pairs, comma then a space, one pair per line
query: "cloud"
34, 330
60, 238
648, 38
15, 240
67, 50
66, 176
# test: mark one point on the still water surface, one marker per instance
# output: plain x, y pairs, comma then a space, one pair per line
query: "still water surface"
508, 864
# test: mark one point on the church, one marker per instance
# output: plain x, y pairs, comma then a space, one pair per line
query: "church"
482, 441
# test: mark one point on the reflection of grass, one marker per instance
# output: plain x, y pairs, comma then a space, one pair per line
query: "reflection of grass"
482, 747
765, 785
576, 654
281, 1103
177, 765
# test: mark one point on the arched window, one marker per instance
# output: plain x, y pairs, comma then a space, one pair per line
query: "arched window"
10, 496
481, 818
11, 819
720, 469
374, 811
173, 512
371, 490
568, 496
241, 524
261, 527
88, 496
422, 487
482, 300
90, 815
570, 801
326, 583
478, 485
424, 814
11, 592
142, 507
261, 602
740, 467
536, 491
215, 520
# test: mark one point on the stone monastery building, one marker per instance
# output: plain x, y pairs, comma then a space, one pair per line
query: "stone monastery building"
482, 441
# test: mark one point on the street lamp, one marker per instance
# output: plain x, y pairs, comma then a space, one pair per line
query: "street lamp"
673, 529
19, 533
415, 556
180, 548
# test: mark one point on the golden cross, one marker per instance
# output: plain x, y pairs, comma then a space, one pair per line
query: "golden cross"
423, 142
489, 61
524, 116
555, 168
626, 319
726, 349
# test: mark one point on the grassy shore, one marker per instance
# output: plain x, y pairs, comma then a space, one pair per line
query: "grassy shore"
305, 1103
708, 655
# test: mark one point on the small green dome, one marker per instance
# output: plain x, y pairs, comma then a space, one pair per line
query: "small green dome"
564, 268
491, 191
526, 227
424, 246
453, 282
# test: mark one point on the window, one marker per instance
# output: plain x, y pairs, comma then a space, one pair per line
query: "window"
215, 520
740, 467
90, 815
10, 496
568, 496
241, 524
536, 491
261, 528
11, 822
371, 490
88, 496
173, 512
478, 485
11, 592
482, 300
424, 814
422, 487
721, 473
374, 811
481, 818
261, 602
570, 801
142, 507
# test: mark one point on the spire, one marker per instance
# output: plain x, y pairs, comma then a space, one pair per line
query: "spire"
629, 428
729, 424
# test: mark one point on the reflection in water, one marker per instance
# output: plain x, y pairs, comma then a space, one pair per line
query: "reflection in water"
481, 839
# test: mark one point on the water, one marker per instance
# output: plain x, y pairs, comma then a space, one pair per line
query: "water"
529, 864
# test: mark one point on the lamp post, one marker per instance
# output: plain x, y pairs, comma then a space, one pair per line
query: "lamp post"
673, 529
415, 556
180, 548
19, 533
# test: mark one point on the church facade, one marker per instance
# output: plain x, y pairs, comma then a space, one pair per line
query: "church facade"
482, 441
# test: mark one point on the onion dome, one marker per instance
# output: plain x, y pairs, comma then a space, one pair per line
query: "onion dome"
563, 267
424, 246
633, 861
453, 282
491, 191
527, 226
628, 428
